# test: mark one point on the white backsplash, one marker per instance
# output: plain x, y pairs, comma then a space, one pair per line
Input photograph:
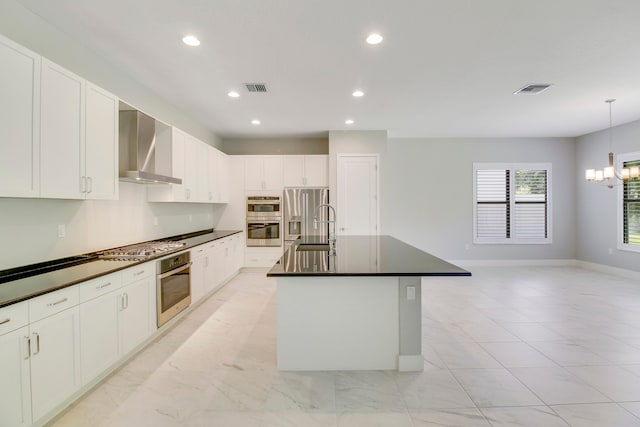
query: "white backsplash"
29, 227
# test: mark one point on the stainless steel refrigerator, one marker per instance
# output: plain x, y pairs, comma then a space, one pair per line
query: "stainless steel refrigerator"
300, 206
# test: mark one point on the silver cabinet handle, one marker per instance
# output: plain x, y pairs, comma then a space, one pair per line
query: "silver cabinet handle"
7, 320
27, 340
125, 301
103, 286
90, 184
37, 343
51, 304
138, 273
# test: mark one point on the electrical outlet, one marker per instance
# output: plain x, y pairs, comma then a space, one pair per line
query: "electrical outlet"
155, 220
62, 230
190, 218
610, 251
466, 246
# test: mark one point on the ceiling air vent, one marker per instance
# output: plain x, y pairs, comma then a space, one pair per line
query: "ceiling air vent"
256, 87
533, 89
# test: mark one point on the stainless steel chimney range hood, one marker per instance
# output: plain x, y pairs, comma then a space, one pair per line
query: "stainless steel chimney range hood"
137, 144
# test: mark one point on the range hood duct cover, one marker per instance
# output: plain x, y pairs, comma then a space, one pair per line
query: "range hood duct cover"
137, 144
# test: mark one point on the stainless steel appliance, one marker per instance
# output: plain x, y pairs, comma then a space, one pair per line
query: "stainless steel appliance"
264, 221
140, 251
301, 206
137, 149
173, 286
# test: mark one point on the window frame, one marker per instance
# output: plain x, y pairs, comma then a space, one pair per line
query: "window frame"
620, 160
511, 240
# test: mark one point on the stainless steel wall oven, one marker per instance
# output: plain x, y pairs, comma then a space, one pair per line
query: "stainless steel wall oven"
264, 221
173, 286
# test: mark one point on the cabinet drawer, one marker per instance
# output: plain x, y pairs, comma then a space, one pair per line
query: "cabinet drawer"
198, 251
100, 286
13, 317
138, 272
52, 303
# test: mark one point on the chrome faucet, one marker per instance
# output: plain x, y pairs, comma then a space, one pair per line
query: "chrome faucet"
332, 236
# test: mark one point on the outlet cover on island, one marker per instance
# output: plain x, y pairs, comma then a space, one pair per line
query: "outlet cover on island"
62, 230
155, 220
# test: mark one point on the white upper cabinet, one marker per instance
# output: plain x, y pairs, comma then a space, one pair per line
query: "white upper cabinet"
19, 120
306, 171
61, 133
218, 176
101, 141
202, 168
78, 137
263, 173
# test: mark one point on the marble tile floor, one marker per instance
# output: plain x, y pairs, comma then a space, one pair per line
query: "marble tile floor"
534, 346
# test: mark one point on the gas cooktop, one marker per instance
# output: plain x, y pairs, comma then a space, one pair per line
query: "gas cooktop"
141, 250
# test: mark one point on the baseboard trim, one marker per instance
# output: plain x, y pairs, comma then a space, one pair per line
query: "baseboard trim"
465, 263
607, 269
410, 363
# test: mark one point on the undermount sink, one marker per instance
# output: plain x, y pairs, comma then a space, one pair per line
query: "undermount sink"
313, 247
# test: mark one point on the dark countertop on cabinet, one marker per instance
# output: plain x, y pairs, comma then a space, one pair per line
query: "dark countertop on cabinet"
363, 256
29, 287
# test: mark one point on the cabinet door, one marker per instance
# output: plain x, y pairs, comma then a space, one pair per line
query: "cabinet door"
136, 310
178, 141
253, 173
293, 171
223, 178
218, 261
201, 184
61, 133
19, 120
98, 335
198, 273
55, 360
190, 179
15, 392
212, 175
101, 142
316, 171
273, 173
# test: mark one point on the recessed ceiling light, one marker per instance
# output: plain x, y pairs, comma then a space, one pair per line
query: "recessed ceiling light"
233, 94
348, 122
191, 40
374, 38
255, 122
358, 93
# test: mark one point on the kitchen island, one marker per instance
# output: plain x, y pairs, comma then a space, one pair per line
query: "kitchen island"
357, 307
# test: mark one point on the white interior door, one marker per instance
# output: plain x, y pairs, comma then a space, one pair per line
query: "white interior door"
357, 189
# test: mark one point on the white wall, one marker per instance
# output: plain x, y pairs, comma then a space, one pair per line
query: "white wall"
29, 227
596, 204
430, 193
29, 30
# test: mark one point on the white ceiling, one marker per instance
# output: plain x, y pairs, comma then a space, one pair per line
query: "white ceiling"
446, 68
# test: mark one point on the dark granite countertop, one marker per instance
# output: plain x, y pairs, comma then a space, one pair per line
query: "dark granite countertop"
22, 289
363, 256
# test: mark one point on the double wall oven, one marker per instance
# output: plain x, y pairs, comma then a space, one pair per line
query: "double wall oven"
264, 221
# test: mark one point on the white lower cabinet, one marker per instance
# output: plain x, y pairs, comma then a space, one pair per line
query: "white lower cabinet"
114, 323
55, 357
199, 267
15, 377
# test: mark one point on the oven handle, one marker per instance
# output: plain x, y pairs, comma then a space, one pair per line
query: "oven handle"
174, 271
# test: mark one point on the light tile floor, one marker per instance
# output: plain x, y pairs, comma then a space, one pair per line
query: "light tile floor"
531, 346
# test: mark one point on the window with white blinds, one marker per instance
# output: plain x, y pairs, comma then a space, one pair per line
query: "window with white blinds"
630, 206
512, 203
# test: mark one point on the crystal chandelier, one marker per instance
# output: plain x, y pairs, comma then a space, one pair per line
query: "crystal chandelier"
609, 175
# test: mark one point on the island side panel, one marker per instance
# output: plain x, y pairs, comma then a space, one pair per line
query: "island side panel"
410, 306
337, 323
